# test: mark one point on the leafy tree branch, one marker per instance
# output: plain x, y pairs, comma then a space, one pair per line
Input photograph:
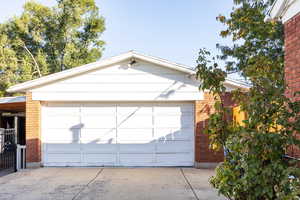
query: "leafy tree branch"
45, 40
255, 166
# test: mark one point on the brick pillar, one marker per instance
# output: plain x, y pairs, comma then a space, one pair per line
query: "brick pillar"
292, 62
204, 157
33, 131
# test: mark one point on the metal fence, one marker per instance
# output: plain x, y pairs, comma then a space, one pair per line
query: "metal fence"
21, 157
7, 151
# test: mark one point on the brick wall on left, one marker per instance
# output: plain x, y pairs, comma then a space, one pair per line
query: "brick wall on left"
33, 130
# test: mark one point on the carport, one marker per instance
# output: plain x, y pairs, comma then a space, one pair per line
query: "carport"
12, 116
12, 134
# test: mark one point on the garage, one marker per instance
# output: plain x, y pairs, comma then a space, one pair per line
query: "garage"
128, 110
118, 134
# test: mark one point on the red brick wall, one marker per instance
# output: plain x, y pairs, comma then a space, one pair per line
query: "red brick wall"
292, 62
33, 130
202, 111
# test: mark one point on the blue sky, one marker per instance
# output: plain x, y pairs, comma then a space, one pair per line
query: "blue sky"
170, 29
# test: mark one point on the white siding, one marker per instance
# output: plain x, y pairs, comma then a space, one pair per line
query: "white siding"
285, 10
141, 82
292, 11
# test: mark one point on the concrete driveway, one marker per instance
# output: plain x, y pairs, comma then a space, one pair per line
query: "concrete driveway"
108, 184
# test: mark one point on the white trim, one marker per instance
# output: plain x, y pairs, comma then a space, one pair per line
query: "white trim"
276, 9
16, 99
23, 87
236, 83
283, 10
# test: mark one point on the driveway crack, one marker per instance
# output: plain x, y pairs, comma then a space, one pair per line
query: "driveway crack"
87, 185
189, 184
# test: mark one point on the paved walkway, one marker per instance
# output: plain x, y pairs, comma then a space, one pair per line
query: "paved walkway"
108, 184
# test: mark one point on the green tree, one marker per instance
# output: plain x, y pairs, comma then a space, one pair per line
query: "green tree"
255, 167
44, 40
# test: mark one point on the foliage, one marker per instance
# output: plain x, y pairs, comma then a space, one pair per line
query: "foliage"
254, 167
44, 40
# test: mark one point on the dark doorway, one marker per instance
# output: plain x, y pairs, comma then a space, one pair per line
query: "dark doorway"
7, 122
21, 131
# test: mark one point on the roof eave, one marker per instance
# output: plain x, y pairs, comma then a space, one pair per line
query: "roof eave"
275, 11
237, 84
23, 87
16, 99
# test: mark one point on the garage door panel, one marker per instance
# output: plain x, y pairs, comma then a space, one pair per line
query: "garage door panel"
173, 133
118, 134
98, 109
183, 121
62, 148
137, 148
63, 158
136, 159
181, 159
99, 136
97, 159
62, 136
98, 121
66, 122
135, 135
98, 148
135, 121
129, 110
174, 146
173, 109
62, 109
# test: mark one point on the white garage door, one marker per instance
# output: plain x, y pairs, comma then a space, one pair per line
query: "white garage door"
124, 134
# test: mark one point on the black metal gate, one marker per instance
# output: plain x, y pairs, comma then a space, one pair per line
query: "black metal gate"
7, 151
